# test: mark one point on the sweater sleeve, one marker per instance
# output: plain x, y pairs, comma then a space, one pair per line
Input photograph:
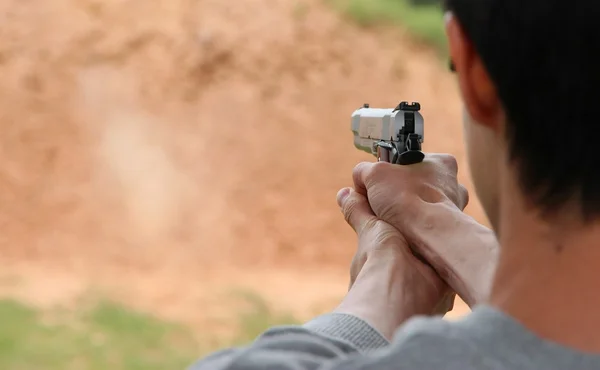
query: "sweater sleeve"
312, 346
345, 342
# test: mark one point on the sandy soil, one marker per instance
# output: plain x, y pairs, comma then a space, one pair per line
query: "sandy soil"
166, 153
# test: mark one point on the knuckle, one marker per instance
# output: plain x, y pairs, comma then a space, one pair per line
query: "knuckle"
371, 223
349, 208
358, 168
446, 160
379, 171
465, 195
450, 162
371, 173
362, 169
361, 175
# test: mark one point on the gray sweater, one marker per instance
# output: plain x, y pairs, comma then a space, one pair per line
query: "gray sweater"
485, 339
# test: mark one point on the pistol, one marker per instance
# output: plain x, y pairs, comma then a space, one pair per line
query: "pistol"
393, 135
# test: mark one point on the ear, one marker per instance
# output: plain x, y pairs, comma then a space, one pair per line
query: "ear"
478, 91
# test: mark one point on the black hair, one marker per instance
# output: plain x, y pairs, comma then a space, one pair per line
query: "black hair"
542, 56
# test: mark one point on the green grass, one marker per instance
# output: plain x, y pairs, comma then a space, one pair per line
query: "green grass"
106, 337
109, 336
257, 317
424, 22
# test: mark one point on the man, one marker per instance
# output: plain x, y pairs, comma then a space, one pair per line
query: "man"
530, 88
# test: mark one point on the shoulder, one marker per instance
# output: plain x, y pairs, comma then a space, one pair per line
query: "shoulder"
430, 330
436, 343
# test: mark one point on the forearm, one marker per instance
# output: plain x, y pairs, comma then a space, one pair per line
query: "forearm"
381, 296
461, 250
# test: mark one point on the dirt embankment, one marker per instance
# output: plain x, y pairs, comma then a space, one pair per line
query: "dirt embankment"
165, 151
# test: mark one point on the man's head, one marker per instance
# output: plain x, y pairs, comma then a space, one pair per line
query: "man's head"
530, 81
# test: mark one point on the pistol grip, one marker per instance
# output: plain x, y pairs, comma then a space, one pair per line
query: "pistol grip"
411, 157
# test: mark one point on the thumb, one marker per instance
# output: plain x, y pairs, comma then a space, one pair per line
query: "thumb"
356, 209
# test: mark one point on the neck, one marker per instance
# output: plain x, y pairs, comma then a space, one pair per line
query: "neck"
547, 276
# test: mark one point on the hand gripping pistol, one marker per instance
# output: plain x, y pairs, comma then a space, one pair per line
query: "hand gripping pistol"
392, 135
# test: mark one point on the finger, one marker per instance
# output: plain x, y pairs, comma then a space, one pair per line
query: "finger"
358, 177
356, 209
448, 161
342, 195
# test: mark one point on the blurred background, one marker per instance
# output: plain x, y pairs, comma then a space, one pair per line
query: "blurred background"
168, 168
